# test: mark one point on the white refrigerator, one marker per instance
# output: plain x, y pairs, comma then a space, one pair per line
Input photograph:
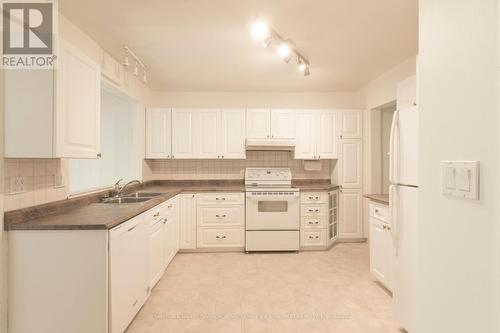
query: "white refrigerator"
403, 177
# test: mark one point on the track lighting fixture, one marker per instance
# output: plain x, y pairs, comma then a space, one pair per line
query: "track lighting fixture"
138, 64
265, 35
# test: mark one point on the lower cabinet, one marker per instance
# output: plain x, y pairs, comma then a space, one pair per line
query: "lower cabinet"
187, 221
220, 219
313, 220
351, 217
380, 244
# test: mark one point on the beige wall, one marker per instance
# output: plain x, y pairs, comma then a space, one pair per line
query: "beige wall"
230, 169
340, 100
458, 239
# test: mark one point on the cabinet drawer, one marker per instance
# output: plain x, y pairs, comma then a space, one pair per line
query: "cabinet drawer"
314, 197
313, 222
220, 216
169, 208
228, 237
380, 212
313, 210
313, 238
220, 198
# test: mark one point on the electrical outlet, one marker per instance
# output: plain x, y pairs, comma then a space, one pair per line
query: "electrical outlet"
17, 185
58, 181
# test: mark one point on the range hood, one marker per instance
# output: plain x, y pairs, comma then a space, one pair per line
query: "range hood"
271, 144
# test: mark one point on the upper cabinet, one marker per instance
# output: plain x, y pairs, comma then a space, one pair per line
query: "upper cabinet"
316, 134
270, 124
111, 68
351, 124
407, 93
61, 119
185, 134
232, 138
195, 133
158, 133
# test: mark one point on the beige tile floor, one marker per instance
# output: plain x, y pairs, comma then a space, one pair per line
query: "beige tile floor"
328, 291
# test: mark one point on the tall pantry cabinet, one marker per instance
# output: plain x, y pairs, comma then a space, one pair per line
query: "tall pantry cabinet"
350, 171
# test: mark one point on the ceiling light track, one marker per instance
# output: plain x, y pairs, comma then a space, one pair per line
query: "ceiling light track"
267, 36
138, 64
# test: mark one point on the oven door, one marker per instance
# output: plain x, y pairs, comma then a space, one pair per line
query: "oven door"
272, 211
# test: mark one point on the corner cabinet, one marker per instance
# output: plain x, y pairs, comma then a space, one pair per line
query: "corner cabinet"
316, 134
63, 109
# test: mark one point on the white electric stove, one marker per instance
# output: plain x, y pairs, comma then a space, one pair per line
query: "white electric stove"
272, 210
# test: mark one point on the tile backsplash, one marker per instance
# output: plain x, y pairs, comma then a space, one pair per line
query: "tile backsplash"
39, 175
230, 169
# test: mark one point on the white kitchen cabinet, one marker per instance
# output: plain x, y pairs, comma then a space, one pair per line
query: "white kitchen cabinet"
128, 254
187, 221
351, 221
111, 68
220, 220
313, 220
380, 244
170, 214
210, 131
258, 124
305, 144
233, 134
351, 163
407, 93
351, 124
157, 250
185, 133
158, 133
270, 124
316, 132
208, 134
61, 117
282, 124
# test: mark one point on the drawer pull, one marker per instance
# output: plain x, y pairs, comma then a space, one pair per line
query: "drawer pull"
157, 214
169, 206
135, 303
223, 199
165, 221
132, 228
220, 237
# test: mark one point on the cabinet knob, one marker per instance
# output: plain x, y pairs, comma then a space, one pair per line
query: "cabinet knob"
99, 155
218, 156
223, 237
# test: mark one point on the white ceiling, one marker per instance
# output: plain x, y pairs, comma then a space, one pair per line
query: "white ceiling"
205, 45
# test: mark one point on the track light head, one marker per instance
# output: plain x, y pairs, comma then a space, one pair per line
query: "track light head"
267, 42
284, 51
306, 71
260, 30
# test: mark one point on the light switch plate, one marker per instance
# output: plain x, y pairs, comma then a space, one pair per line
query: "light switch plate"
461, 179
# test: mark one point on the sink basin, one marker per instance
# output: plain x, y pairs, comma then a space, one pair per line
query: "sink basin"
142, 195
124, 200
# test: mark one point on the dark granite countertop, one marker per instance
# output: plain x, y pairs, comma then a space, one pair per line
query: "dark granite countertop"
86, 213
380, 198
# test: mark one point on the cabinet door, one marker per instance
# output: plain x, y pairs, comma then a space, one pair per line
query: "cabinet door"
158, 133
156, 252
111, 69
258, 124
376, 248
283, 124
406, 93
184, 133
351, 163
233, 134
187, 221
78, 106
351, 124
327, 138
351, 214
305, 145
209, 132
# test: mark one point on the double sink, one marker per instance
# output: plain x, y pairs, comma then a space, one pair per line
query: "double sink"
136, 197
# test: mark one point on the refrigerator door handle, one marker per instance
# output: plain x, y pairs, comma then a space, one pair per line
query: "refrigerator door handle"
392, 149
393, 213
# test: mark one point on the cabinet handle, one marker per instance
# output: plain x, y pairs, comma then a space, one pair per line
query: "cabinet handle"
135, 303
319, 157
164, 221
132, 228
169, 206
157, 214
173, 156
311, 198
317, 198
311, 237
317, 237
223, 237
217, 237
168, 156
218, 156
99, 155
272, 136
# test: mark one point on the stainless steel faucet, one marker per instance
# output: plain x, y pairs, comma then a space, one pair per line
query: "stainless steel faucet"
119, 189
